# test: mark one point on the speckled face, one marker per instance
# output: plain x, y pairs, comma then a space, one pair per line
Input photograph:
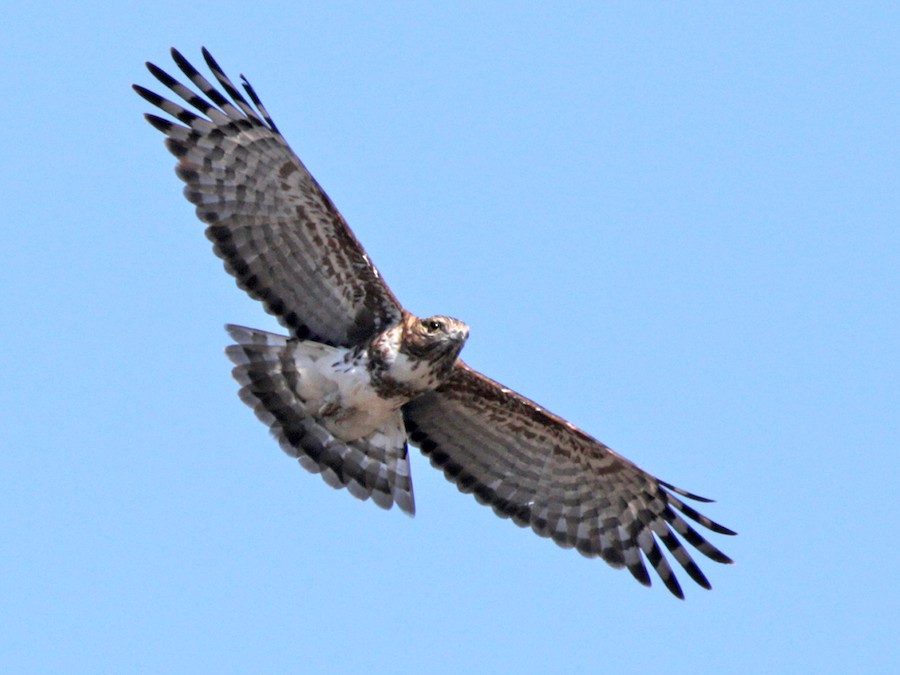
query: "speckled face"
434, 339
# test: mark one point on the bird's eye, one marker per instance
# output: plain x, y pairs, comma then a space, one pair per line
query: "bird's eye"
432, 326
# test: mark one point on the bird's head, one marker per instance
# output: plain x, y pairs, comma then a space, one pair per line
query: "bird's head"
437, 339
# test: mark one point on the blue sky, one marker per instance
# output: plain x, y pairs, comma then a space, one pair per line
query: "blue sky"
674, 224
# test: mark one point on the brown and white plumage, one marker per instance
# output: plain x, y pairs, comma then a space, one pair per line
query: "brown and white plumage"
358, 375
275, 228
543, 472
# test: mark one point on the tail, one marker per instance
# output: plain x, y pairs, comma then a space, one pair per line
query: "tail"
376, 466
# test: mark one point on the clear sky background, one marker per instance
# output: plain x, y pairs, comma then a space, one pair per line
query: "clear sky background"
675, 224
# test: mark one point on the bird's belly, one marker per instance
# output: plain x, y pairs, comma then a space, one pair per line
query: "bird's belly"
342, 396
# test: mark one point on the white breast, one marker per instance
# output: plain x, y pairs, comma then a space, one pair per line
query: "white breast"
340, 392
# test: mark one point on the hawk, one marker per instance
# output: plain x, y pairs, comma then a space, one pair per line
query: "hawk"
359, 377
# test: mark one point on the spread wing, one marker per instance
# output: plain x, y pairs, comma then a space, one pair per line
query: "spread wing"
277, 231
539, 470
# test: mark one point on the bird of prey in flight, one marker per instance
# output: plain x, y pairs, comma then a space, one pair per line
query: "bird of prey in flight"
358, 377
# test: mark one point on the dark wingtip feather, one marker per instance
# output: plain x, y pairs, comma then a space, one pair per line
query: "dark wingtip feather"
674, 587
176, 147
195, 76
685, 493
159, 123
695, 573
178, 57
695, 539
698, 517
147, 95
183, 64
251, 92
639, 572
161, 75
715, 527
189, 174
210, 61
